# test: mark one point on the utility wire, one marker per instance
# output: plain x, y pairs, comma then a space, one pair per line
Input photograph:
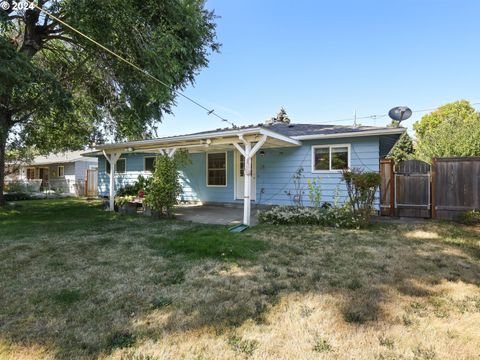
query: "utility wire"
144, 72
380, 116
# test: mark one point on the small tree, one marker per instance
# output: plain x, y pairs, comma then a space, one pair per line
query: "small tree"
403, 149
361, 189
164, 186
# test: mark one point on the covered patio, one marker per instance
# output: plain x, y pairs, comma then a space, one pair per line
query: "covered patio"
244, 141
213, 214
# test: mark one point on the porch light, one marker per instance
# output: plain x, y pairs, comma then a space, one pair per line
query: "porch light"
262, 153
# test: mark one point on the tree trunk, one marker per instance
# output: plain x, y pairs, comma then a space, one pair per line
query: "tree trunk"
5, 121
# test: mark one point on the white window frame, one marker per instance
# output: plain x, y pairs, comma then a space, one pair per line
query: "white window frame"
145, 162
226, 168
116, 171
330, 170
58, 171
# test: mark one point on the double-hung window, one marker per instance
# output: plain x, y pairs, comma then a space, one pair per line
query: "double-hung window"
217, 169
330, 157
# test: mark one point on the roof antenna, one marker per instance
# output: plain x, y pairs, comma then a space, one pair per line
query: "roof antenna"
355, 118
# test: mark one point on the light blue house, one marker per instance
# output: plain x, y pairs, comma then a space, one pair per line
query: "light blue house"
283, 158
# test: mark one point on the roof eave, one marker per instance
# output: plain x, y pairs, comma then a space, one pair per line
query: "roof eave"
392, 131
171, 141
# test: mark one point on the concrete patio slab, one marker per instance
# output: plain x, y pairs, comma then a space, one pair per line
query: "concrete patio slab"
213, 214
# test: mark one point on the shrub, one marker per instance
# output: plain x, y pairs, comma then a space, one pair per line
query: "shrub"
471, 217
16, 196
122, 200
164, 186
315, 192
339, 217
134, 189
361, 189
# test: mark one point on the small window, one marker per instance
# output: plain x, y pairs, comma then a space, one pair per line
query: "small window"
120, 167
330, 158
149, 165
30, 173
61, 171
217, 169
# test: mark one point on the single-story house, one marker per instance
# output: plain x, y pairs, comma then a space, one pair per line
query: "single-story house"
283, 158
65, 172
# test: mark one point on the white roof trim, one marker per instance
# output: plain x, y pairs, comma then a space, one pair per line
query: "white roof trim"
163, 142
392, 131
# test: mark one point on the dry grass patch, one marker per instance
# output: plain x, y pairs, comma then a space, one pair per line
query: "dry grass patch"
82, 283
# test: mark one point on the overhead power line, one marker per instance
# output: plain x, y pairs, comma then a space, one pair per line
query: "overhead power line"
136, 67
380, 116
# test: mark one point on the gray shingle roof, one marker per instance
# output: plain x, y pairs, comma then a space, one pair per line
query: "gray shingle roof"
305, 129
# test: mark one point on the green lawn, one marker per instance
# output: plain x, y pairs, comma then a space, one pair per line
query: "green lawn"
79, 282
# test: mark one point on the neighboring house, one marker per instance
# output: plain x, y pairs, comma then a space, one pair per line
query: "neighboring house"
65, 172
276, 151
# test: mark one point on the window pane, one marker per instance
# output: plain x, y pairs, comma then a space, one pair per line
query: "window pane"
149, 164
60, 171
322, 161
120, 166
216, 161
339, 158
217, 177
217, 169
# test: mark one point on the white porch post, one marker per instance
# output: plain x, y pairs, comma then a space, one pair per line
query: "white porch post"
248, 152
112, 160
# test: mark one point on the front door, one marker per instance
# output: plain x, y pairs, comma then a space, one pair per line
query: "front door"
43, 175
240, 176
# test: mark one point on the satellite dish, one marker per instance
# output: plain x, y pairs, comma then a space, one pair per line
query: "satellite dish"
400, 113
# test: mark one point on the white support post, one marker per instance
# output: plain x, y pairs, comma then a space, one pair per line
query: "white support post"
248, 152
112, 160
248, 184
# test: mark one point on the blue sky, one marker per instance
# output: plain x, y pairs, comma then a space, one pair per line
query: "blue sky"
321, 60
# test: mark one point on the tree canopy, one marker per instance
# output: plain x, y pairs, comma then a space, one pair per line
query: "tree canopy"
403, 149
451, 130
60, 91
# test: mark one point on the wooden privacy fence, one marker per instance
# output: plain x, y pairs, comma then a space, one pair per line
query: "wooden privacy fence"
91, 188
413, 188
456, 186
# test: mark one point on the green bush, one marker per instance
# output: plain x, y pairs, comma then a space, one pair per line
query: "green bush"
122, 200
339, 217
164, 186
16, 196
142, 183
471, 217
361, 188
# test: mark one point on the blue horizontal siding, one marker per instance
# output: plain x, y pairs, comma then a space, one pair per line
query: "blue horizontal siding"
275, 170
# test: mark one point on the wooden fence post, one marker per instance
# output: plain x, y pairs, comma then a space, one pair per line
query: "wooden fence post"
392, 187
433, 187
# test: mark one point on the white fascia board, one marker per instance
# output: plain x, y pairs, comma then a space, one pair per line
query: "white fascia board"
392, 131
164, 142
275, 135
172, 139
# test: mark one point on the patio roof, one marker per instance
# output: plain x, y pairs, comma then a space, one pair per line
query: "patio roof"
200, 142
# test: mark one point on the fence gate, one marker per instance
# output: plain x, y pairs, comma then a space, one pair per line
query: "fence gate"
408, 184
92, 182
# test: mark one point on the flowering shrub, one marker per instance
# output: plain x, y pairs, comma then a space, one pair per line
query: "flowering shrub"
339, 217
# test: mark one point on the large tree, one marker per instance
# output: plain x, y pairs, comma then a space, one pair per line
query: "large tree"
60, 91
451, 130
